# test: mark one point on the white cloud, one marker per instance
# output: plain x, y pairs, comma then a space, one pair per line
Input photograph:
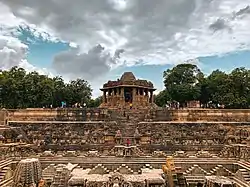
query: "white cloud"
150, 32
12, 52
157, 32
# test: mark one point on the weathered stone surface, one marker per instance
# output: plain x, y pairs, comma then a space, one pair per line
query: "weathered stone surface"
192, 115
121, 147
28, 173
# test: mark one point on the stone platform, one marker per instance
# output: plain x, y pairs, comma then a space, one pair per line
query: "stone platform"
194, 169
202, 142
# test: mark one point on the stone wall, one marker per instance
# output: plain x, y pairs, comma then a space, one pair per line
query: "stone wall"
59, 114
78, 114
234, 115
149, 136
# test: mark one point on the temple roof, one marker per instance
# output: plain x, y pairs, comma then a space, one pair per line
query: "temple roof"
128, 79
128, 76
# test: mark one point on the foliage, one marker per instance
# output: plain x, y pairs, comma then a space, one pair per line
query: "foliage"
185, 82
95, 102
19, 89
181, 82
162, 98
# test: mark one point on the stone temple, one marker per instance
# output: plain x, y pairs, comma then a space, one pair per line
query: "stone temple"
118, 146
127, 90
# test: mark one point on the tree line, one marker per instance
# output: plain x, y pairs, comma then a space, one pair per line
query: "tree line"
20, 89
183, 83
186, 82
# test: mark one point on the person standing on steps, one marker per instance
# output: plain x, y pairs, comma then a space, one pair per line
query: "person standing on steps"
130, 106
128, 142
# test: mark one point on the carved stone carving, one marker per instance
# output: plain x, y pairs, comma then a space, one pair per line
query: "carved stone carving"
117, 180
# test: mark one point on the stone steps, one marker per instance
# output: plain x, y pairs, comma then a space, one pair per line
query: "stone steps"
196, 169
7, 183
240, 183
124, 169
5, 163
3, 172
194, 179
134, 115
219, 170
245, 175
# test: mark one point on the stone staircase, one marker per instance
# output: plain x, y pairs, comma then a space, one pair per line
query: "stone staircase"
3, 171
221, 171
5, 163
244, 175
193, 180
129, 114
196, 170
99, 169
124, 169
129, 129
128, 120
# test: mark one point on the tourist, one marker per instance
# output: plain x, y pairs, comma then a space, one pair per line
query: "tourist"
131, 106
128, 142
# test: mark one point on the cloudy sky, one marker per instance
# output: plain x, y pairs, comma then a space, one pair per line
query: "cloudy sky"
97, 40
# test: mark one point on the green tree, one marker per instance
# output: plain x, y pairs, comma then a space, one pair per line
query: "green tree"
77, 91
12, 89
239, 88
93, 103
162, 98
218, 86
181, 82
19, 89
59, 92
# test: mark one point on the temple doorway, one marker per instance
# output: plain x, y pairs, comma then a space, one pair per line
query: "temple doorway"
128, 94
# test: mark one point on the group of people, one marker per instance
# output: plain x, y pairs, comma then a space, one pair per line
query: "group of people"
64, 105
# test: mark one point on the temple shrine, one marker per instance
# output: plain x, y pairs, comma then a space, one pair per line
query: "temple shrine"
128, 92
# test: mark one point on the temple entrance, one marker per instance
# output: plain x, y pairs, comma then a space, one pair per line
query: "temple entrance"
128, 94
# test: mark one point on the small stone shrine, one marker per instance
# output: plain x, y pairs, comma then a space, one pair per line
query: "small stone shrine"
127, 92
28, 173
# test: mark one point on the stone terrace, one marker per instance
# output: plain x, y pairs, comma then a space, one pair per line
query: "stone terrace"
98, 114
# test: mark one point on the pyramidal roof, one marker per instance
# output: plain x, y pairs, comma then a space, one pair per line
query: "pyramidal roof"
128, 76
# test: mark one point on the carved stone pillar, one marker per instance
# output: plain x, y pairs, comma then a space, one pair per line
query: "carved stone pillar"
134, 95
104, 96
119, 94
113, 96
122, 102
146, 91
151, 96
145, 100
109, 96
